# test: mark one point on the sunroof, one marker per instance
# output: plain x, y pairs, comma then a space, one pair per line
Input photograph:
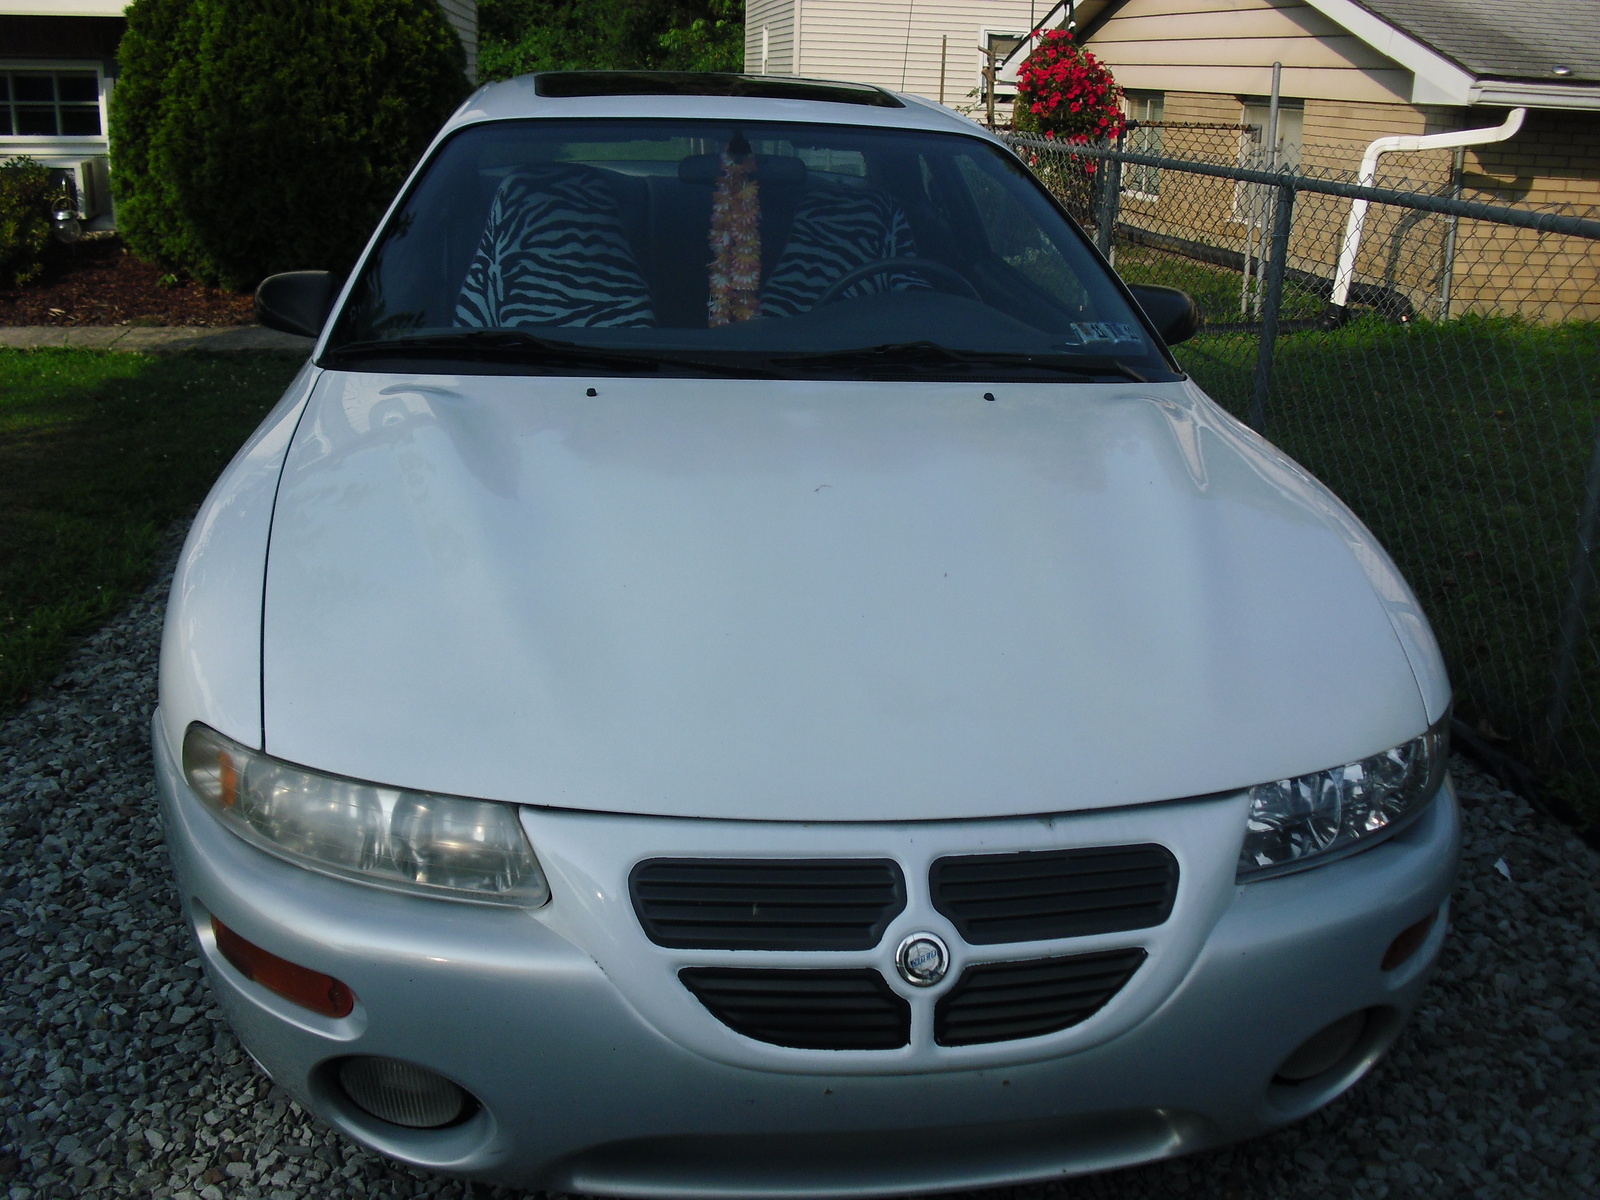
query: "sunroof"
566, 84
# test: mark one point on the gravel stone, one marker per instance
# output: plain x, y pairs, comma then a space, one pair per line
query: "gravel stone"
122, 1080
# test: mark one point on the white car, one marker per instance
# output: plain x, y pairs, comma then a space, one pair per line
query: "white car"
743, 666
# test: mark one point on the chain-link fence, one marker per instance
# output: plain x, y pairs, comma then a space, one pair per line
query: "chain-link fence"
1436, 361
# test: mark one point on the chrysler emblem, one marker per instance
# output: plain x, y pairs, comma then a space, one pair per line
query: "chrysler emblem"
923, 959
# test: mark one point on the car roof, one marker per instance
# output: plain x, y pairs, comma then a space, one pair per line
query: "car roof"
713, 95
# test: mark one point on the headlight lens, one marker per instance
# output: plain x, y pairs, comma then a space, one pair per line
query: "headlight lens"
411, 841
1299, 822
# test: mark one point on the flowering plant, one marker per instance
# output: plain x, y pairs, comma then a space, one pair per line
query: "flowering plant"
1065, 92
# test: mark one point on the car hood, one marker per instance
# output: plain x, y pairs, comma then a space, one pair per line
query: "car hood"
815, 600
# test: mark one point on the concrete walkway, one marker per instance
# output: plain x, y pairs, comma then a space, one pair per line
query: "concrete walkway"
152, 339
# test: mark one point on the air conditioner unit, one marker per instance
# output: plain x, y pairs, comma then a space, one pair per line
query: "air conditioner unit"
87, 181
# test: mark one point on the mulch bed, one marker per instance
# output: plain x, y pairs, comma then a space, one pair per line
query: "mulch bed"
99, 282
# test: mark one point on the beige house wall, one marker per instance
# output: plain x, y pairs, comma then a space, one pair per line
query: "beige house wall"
775, 19
897, 44
1206, 56
1335, 134
1229, 46
463, 18
1554, 162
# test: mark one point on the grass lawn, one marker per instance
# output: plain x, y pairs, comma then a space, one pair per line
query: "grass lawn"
99, 454
1215, 289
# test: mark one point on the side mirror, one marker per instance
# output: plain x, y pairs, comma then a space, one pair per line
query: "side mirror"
1174, 314
296, 301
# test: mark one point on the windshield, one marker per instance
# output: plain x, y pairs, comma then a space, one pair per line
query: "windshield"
707, 247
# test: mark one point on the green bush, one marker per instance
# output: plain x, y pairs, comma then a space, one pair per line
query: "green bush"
517, 36
254, 136
25, 196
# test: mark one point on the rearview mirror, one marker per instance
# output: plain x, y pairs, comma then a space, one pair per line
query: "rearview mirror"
1174, 314
296, 301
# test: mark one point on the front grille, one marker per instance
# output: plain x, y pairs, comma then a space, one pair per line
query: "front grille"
811, 1010
1000, 1002
1034, 895
766, 904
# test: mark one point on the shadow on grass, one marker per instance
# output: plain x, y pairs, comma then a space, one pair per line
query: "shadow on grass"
99, 454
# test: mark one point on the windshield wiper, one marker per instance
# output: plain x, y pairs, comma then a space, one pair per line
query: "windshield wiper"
933, 354
520, 346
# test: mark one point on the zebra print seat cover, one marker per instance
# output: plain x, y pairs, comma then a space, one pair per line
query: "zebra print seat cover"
554, 252
837, 229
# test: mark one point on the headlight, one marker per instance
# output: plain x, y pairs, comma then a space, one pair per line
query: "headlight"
409, 841
1298, 822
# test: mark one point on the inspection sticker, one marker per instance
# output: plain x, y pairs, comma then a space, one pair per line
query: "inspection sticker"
1104, 331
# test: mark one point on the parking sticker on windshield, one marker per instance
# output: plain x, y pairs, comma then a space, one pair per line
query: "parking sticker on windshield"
1104, 331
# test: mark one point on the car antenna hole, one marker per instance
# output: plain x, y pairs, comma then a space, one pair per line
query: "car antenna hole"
988, 395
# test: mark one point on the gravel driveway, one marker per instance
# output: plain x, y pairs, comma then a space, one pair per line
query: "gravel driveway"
120, 1078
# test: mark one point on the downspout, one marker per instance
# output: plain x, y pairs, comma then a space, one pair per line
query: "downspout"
1345, 275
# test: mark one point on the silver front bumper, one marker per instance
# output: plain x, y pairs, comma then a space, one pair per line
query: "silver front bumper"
598, 1072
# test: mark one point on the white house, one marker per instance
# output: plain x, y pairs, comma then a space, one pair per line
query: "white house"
930, 48
58, 66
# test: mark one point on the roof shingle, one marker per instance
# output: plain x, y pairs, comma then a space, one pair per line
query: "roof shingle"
1496, 40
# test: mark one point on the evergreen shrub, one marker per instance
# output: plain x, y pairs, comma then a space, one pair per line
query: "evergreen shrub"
518, 36
255, 136
26, 193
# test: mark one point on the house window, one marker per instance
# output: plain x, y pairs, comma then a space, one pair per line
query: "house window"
49, 104
1147, 110
1001, 47
1252, 203
1254, 151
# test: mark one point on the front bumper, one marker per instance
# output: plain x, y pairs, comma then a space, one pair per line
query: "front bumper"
598, 1073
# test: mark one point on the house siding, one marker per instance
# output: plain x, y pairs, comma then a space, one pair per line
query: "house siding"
463, 18
1229, 46
777, 18
87, 43
898, 44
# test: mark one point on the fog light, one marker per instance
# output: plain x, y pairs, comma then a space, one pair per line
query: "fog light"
1322, 1051
402, 1093
1408, 942
309, 989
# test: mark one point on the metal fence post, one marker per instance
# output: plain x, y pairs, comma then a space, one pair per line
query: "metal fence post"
1277, 266
1457, 166
1580, 578
1110, 203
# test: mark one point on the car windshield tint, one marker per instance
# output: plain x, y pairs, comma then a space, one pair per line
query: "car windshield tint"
691, 247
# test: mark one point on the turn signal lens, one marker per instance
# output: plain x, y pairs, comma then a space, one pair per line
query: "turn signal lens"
300, 985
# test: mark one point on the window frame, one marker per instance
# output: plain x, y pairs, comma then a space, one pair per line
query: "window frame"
12, 143
1133, 176
1251, 201
1004, 89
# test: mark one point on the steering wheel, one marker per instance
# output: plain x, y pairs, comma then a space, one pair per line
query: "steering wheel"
922, 266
